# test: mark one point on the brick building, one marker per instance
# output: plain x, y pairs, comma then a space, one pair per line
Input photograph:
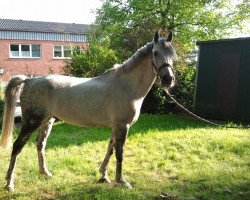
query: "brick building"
37, 48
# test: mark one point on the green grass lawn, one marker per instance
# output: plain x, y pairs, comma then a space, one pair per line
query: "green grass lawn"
171, 154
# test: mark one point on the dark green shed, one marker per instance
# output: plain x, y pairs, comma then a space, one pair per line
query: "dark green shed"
223, 79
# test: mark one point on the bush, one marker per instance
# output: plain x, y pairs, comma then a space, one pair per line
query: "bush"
91, 62
185, 85
157, 102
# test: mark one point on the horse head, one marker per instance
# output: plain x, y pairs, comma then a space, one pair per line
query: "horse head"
163, 54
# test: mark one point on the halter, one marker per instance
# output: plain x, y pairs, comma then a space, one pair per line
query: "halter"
154, 68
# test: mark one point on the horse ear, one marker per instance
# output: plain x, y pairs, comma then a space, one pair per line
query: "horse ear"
170, 37
156, 37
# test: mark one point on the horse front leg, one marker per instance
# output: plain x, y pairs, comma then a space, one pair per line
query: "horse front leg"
121, 133
103, 168
41, 144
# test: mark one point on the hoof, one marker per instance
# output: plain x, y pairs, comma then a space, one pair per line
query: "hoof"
104, 180
9, 188
46, 173
121, 183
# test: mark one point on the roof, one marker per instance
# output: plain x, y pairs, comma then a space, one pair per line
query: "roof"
39, 26
223, 40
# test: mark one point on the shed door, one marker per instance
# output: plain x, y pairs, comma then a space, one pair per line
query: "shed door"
227, 85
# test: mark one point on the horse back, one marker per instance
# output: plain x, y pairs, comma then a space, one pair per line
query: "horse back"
78, 101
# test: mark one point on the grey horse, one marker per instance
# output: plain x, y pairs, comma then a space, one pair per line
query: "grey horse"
112, 99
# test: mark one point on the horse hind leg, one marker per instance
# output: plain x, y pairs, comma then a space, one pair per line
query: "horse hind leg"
44, 132
103, 168
26, 131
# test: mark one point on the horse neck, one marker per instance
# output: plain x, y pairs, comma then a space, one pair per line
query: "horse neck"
141, 77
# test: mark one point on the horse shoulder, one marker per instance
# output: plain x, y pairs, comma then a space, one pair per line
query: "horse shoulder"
136, 106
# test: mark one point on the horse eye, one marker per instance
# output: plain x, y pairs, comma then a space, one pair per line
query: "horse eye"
155, 53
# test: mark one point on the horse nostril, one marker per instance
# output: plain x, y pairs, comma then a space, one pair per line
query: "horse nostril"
167, 80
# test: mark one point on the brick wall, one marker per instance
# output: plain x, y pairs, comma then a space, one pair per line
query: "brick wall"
31, 66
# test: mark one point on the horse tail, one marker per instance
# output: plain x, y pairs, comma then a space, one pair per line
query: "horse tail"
12, 93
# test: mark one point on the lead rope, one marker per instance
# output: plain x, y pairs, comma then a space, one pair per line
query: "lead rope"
154, 69
188, 111
198, 117
177, 103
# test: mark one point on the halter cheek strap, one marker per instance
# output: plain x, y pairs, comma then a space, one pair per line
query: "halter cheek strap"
157, 71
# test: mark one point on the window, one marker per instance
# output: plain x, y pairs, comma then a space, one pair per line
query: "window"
25, 51
62, 52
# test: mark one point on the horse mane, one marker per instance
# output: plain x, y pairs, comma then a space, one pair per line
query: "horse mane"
141, 53
129, 64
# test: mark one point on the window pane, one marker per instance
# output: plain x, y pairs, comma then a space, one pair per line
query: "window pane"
14, 50
25, 47
57, 54
58, 51
14, 47
25, 50
35, 51
57, 48
66, 51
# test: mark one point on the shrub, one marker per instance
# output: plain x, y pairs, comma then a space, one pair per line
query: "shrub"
157, 102
91, 62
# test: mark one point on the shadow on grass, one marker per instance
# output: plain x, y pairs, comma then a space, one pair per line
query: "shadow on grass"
196, 189
98, 192
64, 135
90, 191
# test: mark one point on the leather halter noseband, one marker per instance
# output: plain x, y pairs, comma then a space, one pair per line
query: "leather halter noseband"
157, 70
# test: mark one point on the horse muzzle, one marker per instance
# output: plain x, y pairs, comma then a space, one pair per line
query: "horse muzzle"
167, 76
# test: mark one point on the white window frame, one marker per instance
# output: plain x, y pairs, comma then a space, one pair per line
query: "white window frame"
20, 51
62, 51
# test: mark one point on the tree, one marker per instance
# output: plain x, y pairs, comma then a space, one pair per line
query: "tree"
190, 20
